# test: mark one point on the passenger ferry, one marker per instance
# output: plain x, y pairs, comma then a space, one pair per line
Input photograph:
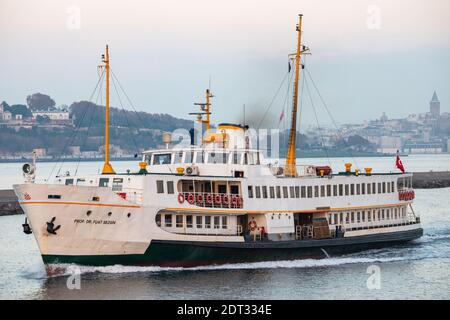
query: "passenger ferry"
215, 202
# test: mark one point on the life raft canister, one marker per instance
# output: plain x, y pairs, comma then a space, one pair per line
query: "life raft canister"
180, 197
191, 198
252, 225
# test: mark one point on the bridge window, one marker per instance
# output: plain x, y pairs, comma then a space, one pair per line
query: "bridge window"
200, 157
178, 157
316, 191
335, 188
328, 190
272, 192
292, 192
189, 157
358, 189
341, 190
379, 188
322, 191
392, 186
303, 191
159, 186
218, 157
384, 187
363, 188
236, 158
297, 191
163, 158
69, 182
369, 189
352, 189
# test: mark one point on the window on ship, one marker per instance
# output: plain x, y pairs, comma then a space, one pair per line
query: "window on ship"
163, 158
103, 182
189, 157
69, 182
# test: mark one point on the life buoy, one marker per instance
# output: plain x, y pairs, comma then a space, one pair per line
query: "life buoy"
191, 198
226, 199
239, 201
413, 194
252, 225
208, 198
199, 198
234, 200
217, 198
180, 197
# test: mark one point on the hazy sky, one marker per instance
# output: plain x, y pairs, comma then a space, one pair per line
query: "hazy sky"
367, 56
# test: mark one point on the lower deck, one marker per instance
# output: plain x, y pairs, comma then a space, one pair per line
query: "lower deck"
285, 226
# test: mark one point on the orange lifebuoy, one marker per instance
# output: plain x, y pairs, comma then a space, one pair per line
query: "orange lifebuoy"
199, 198
208, 198
252, 225
191, 198
180, 197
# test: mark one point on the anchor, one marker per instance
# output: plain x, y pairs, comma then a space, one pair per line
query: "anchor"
51, 226
26, 227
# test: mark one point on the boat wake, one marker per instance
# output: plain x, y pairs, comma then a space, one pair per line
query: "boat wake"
70, 269
429, 246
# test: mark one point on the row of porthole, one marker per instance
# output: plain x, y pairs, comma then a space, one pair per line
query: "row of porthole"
88, 213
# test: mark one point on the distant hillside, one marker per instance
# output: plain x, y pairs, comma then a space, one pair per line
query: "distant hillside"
87, 114
130, 131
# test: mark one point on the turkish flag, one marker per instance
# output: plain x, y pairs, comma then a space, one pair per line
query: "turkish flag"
399, 164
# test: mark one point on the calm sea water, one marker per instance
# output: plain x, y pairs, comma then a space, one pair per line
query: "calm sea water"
418, 270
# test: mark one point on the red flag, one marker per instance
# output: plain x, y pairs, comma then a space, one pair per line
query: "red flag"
399, 164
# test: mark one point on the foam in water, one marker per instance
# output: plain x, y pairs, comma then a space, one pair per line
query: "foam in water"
305, 263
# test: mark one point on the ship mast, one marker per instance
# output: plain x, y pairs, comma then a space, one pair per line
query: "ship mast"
290, 169
107, 168
204, 110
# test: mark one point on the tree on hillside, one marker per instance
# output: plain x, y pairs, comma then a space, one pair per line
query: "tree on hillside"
39, 101
20, 109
